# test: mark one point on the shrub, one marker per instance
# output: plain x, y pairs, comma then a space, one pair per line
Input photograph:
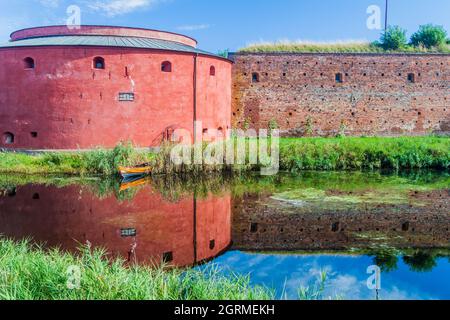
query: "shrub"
394, 38
429, 36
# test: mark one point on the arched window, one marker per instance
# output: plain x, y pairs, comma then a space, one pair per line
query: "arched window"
166, 66
8, 138
28, 63
212, 71
99, 63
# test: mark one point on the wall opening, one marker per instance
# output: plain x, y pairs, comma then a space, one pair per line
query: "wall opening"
36, 196
253, 227
255, 77
338, 77
405, 226
166, 66
8, 138
167, 257
11, 192
212, 244
411, 78
335, 227
212, 71
28, 63
99, 63
34, 134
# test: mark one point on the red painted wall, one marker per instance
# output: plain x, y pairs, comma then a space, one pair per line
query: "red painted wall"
72, 105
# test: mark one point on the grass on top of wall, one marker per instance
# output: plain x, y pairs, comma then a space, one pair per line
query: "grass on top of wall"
296, 154
28, 272
337, 47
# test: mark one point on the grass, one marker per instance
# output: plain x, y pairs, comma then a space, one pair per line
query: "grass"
336, 47
99, 161
296, 154
364, 153
29, 272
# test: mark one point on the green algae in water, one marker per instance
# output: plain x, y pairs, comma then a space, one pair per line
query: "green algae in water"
311, 195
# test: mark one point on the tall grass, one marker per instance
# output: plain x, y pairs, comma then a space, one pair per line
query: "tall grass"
98, 161
28, 272
296, 154
365, 153
332, 47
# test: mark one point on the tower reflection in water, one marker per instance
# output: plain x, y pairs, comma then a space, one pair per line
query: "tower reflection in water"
146, 229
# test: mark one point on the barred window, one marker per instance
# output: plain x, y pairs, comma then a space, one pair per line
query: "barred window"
126, 96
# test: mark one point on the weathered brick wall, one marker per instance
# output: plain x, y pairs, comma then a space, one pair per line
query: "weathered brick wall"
260, 226
299, 93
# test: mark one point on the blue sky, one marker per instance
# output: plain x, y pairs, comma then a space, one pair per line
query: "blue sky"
231, 24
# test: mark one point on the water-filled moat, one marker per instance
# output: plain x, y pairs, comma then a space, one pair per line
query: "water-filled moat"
282, 230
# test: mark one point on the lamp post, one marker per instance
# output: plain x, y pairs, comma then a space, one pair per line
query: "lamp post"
386, 16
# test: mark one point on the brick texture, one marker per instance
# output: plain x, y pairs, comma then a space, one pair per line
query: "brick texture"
401, 94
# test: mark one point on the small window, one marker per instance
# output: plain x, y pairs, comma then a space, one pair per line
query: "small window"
34, 134
212, 244
335, 227
99, 63
255, 77
212, 71
28, 63
128, 232
253, 227
166, 66
167, 257
126, 96
338, 78
8, 138
411, 78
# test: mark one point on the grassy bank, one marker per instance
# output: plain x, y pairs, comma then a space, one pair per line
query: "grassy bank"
296, 154
27, 272
338, 47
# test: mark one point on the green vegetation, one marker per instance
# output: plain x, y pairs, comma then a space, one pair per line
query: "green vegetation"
296, 154
338, 47
100, 161
429, 36
364, 153
429, 39
394, 38
29, 272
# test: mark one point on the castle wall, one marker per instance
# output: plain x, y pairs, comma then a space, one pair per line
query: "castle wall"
300, 94
64, 103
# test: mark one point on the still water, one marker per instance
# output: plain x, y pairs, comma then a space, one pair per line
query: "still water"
282, 231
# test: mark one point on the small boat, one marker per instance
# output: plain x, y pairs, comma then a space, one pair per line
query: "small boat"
133, 183
130, 173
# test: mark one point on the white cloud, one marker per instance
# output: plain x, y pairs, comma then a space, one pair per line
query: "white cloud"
117, 7
194, 27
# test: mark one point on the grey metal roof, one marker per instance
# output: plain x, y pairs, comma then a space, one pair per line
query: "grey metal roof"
105, 41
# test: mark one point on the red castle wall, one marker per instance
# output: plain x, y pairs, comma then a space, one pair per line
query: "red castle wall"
71, 105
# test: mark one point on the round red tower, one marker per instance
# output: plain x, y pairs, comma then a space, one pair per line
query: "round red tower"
97, 85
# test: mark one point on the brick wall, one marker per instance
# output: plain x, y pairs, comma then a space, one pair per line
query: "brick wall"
326, 94
257, 225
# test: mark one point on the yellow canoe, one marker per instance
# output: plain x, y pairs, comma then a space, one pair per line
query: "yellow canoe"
126, 172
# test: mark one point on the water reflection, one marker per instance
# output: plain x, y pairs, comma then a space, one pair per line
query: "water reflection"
279, 229
147, 229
